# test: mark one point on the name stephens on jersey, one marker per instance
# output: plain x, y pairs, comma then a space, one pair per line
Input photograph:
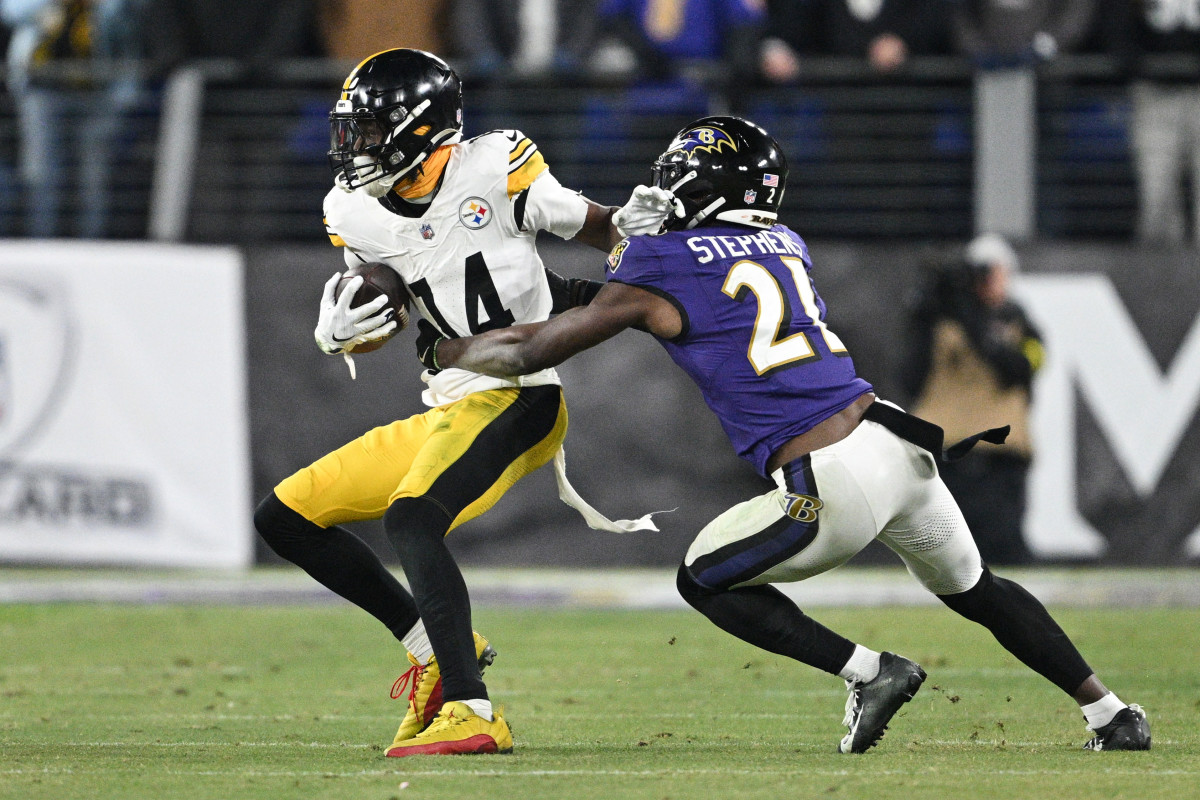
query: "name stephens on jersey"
764, 243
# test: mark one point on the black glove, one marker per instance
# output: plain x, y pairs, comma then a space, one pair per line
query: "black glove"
570, 292
427, 342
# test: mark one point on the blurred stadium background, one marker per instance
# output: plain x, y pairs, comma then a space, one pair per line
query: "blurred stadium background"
155, 384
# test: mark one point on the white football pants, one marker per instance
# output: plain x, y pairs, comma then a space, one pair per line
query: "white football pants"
831, 504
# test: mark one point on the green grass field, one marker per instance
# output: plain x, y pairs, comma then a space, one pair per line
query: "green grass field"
106, 701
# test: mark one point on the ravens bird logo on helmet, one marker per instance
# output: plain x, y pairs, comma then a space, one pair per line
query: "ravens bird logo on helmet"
710, 139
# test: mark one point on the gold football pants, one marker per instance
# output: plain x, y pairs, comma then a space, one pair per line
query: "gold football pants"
463, 457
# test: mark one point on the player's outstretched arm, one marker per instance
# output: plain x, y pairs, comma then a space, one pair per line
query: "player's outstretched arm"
522, 349
648, 206
598, 230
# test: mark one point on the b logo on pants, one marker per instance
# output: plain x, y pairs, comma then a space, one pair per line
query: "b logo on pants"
803, 507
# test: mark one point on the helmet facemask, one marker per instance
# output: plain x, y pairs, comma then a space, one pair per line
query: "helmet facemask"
694, 197
356, 150
365, 153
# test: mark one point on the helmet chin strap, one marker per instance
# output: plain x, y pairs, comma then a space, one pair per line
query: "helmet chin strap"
681, 181
365, 169
366, 166
381, 186
704, 213
397, 130
384, 185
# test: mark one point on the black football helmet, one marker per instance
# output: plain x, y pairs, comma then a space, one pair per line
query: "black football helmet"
395, 109
725, 168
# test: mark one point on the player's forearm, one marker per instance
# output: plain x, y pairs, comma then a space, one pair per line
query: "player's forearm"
523, 349
501, 353
598, 230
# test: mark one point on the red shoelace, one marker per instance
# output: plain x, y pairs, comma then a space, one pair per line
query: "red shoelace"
409, 680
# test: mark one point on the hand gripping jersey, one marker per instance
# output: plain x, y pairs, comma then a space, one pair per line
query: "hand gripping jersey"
469, 260
754, 337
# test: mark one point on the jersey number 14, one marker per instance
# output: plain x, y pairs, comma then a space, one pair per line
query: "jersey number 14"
478, 291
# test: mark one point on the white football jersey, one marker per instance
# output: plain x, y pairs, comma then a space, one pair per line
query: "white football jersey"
470, 261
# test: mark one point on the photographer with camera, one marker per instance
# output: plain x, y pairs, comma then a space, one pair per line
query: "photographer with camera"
972, 356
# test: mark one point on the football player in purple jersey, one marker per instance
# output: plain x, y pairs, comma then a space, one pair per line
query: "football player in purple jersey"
726, 289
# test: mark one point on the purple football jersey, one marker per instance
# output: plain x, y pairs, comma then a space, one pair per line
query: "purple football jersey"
754, 338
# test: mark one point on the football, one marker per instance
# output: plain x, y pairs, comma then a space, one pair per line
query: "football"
378, 278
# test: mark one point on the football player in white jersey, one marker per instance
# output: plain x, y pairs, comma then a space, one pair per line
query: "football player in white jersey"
457, 220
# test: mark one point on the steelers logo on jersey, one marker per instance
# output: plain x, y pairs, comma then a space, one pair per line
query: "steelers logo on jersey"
474, 213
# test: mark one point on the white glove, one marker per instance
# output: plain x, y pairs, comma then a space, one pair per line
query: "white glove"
645, 211
341, 328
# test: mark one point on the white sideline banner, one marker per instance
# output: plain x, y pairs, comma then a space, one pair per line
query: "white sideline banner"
124, 434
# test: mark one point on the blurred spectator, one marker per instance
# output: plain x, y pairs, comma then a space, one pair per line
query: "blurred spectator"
353, 29
884, 32
692, 40
1158, 48
485, 36
972, 356
74, 77
257, 34
577, 31
999, 34
493, 40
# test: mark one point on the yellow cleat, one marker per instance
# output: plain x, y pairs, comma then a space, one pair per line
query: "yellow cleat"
424, 683
457, 731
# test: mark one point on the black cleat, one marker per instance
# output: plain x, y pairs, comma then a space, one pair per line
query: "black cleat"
1129, 730
872, 705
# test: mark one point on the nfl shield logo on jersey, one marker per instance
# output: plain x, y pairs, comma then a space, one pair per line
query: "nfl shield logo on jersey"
474, 213
750, 196
427, 231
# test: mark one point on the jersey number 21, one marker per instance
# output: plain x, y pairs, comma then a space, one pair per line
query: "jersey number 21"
770, 346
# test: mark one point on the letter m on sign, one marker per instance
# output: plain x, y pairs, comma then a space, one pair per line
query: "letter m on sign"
1093, 346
